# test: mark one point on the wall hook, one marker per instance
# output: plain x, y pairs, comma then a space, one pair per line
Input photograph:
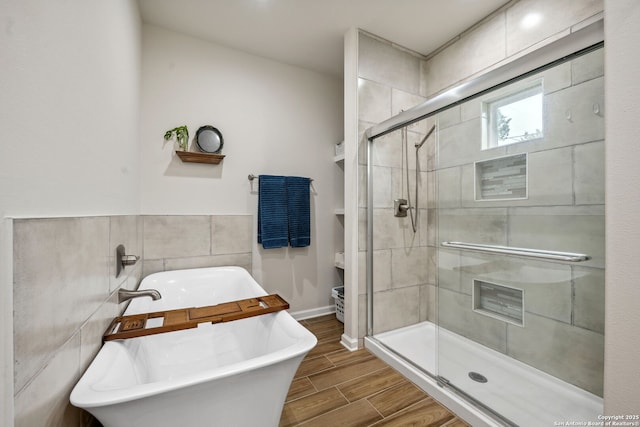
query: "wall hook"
596, 109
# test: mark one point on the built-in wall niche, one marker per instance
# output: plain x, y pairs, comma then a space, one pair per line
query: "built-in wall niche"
502, 178
499, 301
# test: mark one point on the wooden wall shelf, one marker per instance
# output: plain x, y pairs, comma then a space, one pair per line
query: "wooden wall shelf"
195, 157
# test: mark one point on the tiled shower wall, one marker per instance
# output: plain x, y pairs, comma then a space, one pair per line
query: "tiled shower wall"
503, 36
389, 82
65, 292
564, 323
564, 303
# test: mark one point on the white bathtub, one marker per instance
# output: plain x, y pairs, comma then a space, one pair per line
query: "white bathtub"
228, 374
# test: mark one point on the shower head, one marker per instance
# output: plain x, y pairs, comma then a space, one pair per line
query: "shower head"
419, 144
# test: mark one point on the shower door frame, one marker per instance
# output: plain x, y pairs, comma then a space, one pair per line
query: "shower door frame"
579, 42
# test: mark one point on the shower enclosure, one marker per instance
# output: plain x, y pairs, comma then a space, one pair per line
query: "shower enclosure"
498, 295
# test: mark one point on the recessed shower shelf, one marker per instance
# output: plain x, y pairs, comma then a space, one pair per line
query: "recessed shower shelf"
338, 260
194, 157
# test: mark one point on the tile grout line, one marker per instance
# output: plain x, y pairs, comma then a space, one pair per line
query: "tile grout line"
408, 408
368, 357
401, 383
387, 388
328, 412
342, 394
374, 406
352, 379
307, 395
363, 358
316, 372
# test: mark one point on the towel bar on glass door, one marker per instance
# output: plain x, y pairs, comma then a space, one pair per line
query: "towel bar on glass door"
251, 177
508, 250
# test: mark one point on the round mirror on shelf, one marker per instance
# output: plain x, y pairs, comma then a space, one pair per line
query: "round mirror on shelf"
209, 139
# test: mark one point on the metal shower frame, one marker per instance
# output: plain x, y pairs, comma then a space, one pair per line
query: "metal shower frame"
578, 42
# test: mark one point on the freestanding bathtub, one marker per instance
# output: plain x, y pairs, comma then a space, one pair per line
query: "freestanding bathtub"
228, 374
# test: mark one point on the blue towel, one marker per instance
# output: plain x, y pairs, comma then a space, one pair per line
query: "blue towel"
298, 205
273, 227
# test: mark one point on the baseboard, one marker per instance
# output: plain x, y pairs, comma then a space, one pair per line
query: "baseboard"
349, 343
313, 312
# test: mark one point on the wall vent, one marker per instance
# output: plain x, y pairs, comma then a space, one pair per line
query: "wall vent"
499, 301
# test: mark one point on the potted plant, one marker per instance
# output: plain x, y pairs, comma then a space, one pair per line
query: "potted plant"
182, 136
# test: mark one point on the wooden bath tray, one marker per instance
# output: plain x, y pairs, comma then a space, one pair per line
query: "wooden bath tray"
135, 325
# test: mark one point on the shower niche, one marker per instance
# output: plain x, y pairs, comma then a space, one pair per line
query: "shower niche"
499, 301
503, 178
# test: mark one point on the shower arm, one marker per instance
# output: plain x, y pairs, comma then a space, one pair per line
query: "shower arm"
402, 206
421, 143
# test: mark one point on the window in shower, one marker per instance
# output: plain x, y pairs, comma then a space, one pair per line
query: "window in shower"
513, 117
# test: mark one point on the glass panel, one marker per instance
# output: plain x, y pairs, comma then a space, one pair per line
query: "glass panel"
403, 250
524, 336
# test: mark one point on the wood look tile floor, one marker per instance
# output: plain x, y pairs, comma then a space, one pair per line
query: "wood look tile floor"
335, 387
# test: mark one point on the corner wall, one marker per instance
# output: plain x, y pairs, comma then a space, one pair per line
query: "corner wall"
622, 298
353, 320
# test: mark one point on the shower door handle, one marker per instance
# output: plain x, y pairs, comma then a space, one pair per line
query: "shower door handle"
524, 252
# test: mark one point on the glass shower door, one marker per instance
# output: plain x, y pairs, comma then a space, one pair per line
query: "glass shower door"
520, 245
403, 251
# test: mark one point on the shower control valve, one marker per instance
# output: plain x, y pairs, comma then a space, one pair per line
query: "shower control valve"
400, 208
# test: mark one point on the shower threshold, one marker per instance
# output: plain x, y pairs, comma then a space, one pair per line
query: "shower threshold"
518, 392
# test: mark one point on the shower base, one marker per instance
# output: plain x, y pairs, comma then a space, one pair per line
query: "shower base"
524, 395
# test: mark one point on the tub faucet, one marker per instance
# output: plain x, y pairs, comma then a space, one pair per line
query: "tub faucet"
125, 294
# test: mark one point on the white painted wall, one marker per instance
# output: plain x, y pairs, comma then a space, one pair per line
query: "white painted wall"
352, 270
622, 298
275, 119
69, 110
69, 120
